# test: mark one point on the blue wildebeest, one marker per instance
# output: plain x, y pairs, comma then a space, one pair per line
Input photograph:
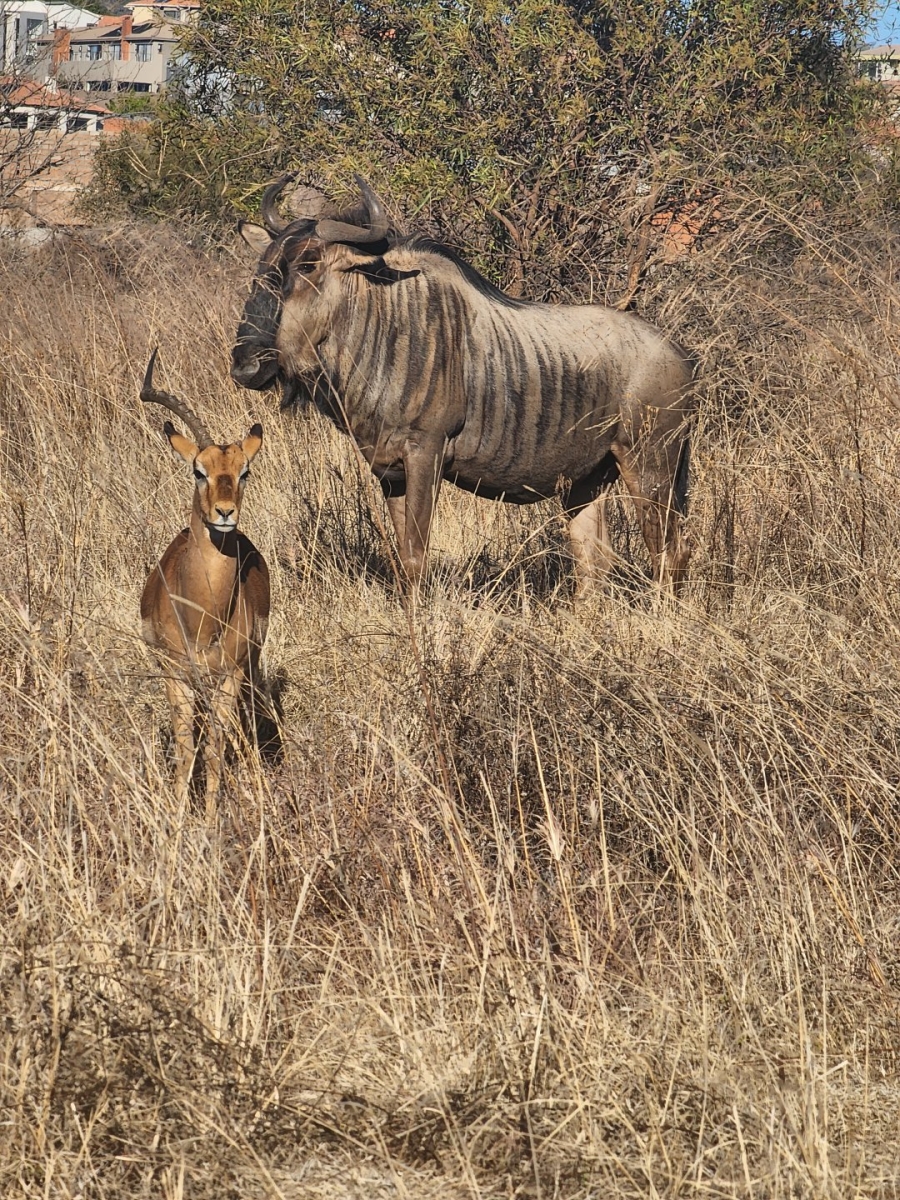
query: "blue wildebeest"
437, 374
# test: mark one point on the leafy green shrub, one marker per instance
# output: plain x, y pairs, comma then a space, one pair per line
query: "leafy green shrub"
544, 136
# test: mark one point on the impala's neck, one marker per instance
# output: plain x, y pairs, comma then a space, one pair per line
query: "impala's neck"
223, 543
217, 552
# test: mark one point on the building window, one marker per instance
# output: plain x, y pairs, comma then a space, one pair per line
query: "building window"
115, 50
33, 28
94, 51
143, 51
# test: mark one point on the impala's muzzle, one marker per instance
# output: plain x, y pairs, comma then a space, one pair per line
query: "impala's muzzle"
220, 524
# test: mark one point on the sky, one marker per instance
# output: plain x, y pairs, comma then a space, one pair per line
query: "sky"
887, 25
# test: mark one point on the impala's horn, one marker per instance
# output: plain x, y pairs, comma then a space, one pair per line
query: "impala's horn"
151, 395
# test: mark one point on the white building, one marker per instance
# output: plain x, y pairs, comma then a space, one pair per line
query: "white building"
117, 54
881, 64
22, 21
185, 11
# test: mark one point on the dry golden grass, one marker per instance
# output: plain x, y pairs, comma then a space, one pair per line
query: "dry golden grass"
535, 902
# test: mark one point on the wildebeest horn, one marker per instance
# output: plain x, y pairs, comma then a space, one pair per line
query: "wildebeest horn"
269, 213
341, 231
150, 395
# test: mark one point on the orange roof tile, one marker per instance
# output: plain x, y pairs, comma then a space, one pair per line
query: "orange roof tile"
20, 93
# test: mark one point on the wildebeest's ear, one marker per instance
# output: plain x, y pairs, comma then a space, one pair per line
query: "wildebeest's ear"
377, 271
257, 238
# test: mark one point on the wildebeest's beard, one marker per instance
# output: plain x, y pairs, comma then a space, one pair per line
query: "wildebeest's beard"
296, 392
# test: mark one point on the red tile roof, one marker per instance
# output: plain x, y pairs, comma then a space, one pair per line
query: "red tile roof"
19, 93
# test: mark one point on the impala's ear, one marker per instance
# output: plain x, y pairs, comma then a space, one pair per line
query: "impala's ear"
252, 442
182, 446
257, 238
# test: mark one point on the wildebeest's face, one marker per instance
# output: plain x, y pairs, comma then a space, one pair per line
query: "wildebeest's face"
297, 287
290, 269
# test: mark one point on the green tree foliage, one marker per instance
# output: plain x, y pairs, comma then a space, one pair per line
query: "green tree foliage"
526, 128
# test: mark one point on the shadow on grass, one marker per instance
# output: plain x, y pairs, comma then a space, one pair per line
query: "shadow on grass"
342, 535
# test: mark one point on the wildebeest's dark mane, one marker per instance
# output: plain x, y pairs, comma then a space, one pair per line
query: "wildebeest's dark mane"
306, 227
468, 272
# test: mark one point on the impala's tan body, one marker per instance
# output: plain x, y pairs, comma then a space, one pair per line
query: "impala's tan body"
205, 605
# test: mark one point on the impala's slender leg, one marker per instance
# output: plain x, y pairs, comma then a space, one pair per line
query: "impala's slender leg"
213, 757
180, 695
223, 725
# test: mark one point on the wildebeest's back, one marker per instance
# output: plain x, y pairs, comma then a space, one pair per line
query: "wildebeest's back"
548, 388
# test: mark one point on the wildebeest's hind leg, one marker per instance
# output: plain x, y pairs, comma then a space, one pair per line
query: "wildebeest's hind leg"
395, 498
656, 480
585, 507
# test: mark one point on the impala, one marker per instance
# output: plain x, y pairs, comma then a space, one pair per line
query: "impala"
205, 605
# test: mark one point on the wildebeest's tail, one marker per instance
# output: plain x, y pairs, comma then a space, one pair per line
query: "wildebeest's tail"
681, 486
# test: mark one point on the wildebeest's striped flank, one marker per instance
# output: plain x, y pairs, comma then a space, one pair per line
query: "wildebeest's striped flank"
438, 374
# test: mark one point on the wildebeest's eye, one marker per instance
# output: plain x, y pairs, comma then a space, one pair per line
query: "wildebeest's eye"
305, 268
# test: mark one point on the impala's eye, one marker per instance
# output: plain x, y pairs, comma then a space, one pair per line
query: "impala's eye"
245, 474
199, 475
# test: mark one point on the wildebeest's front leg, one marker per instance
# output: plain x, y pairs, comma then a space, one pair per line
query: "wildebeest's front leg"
591, 548
396, 506
411, 513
